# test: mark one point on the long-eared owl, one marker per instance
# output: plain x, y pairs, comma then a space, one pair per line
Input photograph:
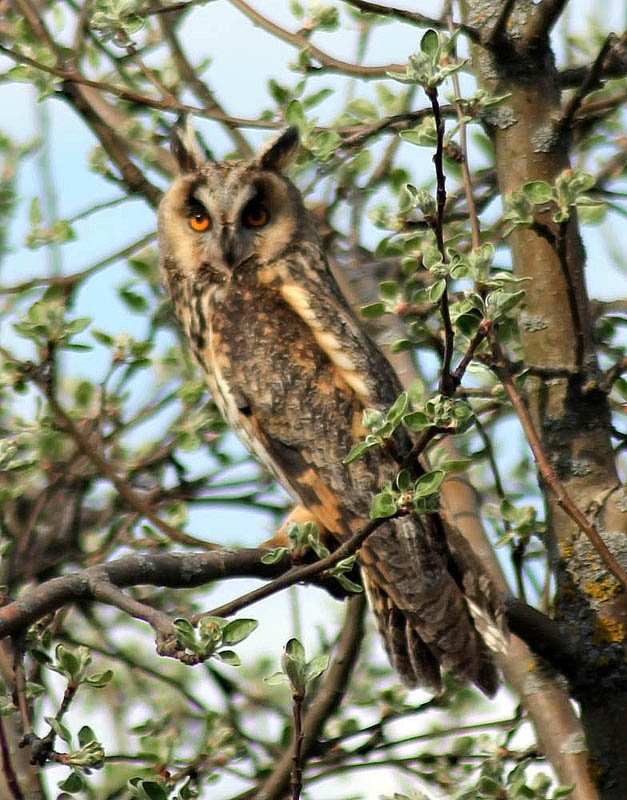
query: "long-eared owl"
292, 370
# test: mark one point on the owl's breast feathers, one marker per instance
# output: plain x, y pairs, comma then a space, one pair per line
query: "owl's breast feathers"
292, 371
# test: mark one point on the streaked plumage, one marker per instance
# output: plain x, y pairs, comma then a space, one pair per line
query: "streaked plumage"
292, 370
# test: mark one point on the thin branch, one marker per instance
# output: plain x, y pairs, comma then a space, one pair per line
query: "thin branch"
498, 33
463, 146
329, 62
297, 759
501, 367
591, 81
413, 17
10, 777
544, 17
326, 701
130, 497
544, 636
173, 570
69, 281
115, 146
298, 574
75, 77
189, 76
438, 227
103, 591
20, 685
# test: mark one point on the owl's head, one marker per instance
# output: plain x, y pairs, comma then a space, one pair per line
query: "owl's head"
217, 215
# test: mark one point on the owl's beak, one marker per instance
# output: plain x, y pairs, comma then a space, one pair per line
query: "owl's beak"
229, 246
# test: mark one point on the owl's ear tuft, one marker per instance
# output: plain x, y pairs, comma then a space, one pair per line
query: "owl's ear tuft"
185, 145
280, 151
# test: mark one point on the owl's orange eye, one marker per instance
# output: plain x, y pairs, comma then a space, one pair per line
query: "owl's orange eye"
255, 215
199, 221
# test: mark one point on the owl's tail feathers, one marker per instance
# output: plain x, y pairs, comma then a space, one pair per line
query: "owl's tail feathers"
435, 611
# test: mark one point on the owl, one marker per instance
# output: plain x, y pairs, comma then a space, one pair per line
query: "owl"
292, 370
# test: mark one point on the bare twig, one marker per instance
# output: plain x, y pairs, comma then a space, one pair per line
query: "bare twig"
130, 497
501, 367
438, 228
413, 17
329, 62
75, 77
189, 76
7, 767
590, 82
463, 146
69, 281
298, 574
297, 758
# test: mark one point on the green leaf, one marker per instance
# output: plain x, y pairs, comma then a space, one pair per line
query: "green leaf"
416, 421
316, 667
436, 290
358, 450
237, 630
229, 657
67, 661
538, 192
295, 115
398, 408
293, 663
275, 555
499, 302
429, 483
400, 345
403, 480
383, 505
279, 93
34, 212
363, 109
276, 679
147, 790
347, 584
372, 419
102, 337
86, 735
430, 44
454, 464
389, 290
133, 300
373, 310
317, 97
61, 731
73, 783
100, 679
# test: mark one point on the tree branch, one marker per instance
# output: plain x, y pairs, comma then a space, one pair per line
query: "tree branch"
329, 62
590, 83
326, 700
298, 574
412, 17
544, 17
501, 367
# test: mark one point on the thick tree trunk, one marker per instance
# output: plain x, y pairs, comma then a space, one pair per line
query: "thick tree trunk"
569, 411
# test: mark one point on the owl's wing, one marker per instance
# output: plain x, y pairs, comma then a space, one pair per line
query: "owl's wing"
325, 371
309, 288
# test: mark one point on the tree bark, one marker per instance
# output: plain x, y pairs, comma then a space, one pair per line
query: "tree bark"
569, 410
